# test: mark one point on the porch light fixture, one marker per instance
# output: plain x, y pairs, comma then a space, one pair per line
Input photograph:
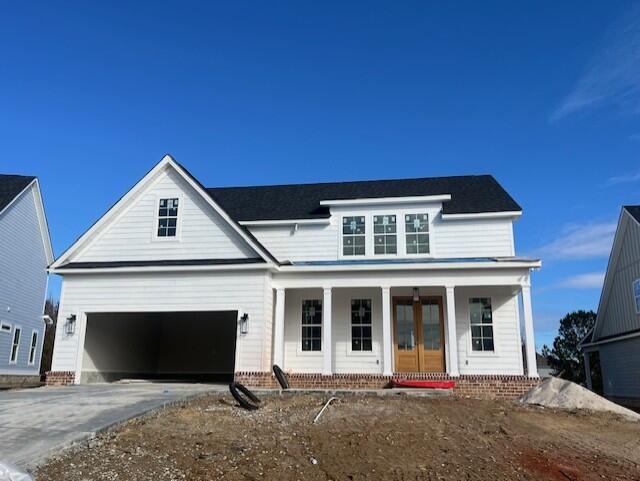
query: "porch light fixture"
244, 323
70, 325
416, 294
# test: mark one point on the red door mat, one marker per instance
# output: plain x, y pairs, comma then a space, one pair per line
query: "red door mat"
423, 384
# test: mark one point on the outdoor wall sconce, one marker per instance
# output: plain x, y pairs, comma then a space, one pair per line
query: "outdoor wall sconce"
416, 294
70, 325
244, 323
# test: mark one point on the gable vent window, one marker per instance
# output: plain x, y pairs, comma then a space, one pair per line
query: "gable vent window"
384, 234
167, 217
417, 233
353, 232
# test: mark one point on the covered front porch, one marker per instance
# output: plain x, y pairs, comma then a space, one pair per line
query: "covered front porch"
394, 324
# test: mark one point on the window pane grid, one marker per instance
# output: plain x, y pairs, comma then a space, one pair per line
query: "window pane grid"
353, 236
312, 325
167, 217
361, 338
481, 320
384, 234
417, 233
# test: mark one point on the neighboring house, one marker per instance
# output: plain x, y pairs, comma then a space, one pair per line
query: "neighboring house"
616, 333
25, 253
341, 284
544, 370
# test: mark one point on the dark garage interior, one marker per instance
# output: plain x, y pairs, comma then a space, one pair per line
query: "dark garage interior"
168, 346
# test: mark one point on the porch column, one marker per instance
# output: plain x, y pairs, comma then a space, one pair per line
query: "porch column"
326, 331
452, 337
530, 344
387, 347
278, 331
587, 369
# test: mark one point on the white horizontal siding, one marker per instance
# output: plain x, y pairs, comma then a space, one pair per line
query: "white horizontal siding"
242, 290
307, 243
23, 281
202, 233
296, 360
507, 358
473, 238
620, 363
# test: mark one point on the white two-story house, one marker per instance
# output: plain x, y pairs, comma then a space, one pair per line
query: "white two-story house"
340, 284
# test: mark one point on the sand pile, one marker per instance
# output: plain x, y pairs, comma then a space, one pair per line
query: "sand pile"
558, 393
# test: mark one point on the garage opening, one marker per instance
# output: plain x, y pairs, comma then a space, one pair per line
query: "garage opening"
168, 346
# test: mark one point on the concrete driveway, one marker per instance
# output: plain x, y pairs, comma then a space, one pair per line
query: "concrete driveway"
37, 423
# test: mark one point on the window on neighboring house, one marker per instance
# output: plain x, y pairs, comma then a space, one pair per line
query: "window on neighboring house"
636, 294
416, 228
384, 234
353, 232
4, 327
312, 325
15, 345
481, 319
167, 217
34, 347
361, 324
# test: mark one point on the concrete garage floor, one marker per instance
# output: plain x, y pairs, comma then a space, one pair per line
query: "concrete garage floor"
38, 423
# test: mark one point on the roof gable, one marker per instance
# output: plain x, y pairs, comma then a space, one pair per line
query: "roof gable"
469, 195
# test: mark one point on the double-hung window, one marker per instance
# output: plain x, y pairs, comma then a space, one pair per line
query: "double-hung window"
636, 294
481, 320
384, 234
34, 347
15, 345
312, 325
416, 228
353, 236
167, 217
361, 325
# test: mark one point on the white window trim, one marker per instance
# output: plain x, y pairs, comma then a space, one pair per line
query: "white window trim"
470, 351
3, 324
30, 361
350, 350
633, 293
299, 350
13, 333
156, 218
430, 216
367, 229
373, 238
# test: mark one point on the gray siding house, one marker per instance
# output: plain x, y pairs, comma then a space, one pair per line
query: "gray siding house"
616, 334
25, 253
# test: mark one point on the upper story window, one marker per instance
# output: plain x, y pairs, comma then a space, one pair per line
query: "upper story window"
636, 294
384, 234
353, 236
481, 320
312, 325
167, 217
417, 233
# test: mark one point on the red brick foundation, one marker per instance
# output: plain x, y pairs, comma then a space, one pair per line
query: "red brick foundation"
59, 378
476, 386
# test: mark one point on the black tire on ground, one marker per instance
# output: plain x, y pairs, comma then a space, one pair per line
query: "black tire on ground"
247, 399
281, 377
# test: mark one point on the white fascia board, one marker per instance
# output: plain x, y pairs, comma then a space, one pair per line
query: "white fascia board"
483, 215
141, 269
412, 267
326, 221
388, 200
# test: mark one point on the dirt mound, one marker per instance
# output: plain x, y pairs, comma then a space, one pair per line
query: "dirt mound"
558, 393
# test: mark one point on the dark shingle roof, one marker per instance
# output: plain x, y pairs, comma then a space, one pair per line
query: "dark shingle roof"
469, 195
634, 210
11, 186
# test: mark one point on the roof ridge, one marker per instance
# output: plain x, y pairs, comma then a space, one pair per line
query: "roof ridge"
342, 182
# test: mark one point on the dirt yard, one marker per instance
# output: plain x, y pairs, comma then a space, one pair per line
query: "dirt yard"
359, 438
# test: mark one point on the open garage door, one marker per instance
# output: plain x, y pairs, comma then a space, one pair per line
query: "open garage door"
171, 346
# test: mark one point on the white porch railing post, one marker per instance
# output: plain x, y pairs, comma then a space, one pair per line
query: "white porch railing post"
452, 337
326, 332
587, 369
387, 347
278, 334
530, 344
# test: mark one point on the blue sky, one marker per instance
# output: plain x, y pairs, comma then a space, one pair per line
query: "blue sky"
544, 95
